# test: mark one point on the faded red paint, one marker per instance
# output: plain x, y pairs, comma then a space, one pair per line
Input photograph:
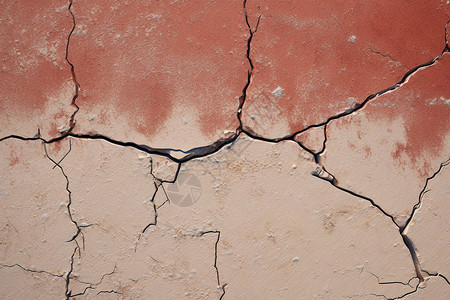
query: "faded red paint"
313, 138
13, 158
140, 60
328, 55
424, 106
33, 38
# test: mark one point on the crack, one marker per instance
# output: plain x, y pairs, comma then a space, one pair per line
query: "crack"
437, 275
323, 174
404, 229
72, 70
109, 292
69, 192
219, 285
389, 57
68, 293
413, 251
394, 282
180, 157
243, 98
158, 183
447, 46
418, 205
32, 270
94, 285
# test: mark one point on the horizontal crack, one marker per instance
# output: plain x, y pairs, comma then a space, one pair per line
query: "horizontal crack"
30, 270
94, 285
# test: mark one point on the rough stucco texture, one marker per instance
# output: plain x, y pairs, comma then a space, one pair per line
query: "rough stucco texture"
224, 149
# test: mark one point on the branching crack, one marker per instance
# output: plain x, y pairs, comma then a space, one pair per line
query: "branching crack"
418, 205
158, 184
180, 157
69, 192
95, 285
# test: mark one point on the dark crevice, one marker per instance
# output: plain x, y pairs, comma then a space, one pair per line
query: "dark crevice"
158, 184
437, 275
219, 284
69, 192
413, 251
324, 145
347, 112
68, 293
418, 205
323, 174
404, 229
180, 157
109, 292
72, 69
447, 46
243, 98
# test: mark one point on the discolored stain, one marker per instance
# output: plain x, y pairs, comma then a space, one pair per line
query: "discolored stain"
321, 54
13, 158
424, 106
33, 65
154, 56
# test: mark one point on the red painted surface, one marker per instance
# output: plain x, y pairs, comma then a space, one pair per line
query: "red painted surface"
424, 105
33, 38
327, 56
140, 59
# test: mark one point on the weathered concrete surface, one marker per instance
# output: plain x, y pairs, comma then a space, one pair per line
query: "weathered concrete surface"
401, 137
162, 65
428, 229
314, 59
35, 225
35, 79
306, 188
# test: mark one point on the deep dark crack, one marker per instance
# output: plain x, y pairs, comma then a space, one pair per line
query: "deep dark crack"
243, 98
72, 70
68, 293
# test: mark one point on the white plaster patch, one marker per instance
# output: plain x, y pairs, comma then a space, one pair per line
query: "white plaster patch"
278, 92
440, 101
352, 39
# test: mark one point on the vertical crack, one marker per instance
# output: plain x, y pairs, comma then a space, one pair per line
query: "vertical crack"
67, 292
69, 192
72, 70
250, 72
219, 285
158, 183
404, 229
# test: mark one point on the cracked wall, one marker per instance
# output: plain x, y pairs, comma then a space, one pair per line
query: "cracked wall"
224, 149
